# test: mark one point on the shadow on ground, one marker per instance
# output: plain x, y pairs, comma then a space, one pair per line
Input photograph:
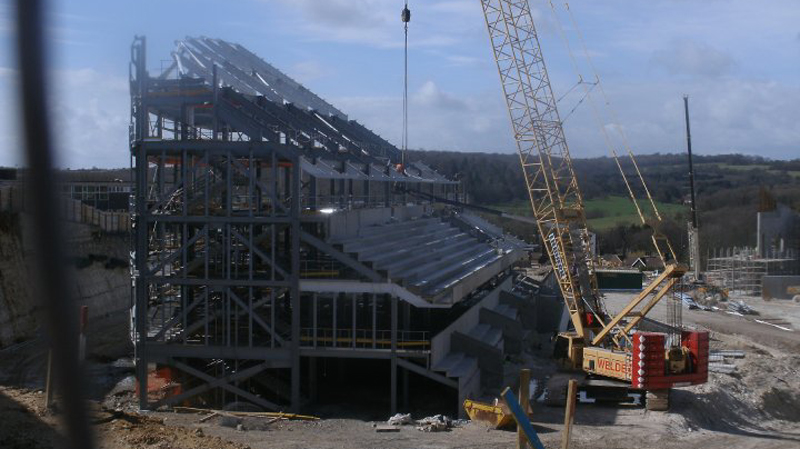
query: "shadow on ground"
22, 429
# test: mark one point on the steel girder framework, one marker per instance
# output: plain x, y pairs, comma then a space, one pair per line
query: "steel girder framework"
301, 114
228, 189
216, 246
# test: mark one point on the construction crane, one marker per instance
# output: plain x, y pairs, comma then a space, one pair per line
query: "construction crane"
599, 344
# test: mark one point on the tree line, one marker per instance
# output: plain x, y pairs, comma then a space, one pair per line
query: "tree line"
729, 190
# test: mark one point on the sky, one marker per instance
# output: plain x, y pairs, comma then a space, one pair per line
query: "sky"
738, 60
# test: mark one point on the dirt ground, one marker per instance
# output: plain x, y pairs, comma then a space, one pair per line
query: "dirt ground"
756, 406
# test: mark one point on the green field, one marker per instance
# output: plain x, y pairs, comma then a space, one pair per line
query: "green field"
744, 168
605, 212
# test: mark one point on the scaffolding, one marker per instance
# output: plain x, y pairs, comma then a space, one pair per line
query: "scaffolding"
740, 269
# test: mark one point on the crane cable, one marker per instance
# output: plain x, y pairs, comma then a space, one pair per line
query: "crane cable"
624, 136
405, 16
606, 136
595, 112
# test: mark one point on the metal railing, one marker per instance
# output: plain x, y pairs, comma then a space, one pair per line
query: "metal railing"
364, 339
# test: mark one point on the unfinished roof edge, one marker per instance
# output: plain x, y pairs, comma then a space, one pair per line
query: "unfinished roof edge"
248, 73
250, 76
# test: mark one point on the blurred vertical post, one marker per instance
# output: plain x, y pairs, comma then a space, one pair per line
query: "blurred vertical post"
48, 382
569, 413
84, 322
524, 402
51, 279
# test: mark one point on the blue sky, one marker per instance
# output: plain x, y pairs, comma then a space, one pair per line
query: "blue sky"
738, 60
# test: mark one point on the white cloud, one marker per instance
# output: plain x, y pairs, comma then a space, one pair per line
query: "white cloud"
438, 120
376, 23
429, 95
728, 116
90, 116
692, 58
307, 71
465, 61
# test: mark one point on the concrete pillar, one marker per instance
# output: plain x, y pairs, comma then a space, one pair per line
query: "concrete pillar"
312, 379
394, 357
406, 326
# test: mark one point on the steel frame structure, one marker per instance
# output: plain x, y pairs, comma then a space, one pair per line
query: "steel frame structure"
204, 287
228, 190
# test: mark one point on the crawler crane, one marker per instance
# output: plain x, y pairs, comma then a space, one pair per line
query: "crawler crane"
599, 344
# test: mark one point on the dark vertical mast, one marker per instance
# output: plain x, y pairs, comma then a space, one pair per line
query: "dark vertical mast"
691, 169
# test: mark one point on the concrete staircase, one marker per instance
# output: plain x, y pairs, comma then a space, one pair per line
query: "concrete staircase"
477, 344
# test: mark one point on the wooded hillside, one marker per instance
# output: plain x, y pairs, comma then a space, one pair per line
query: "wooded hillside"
728, 193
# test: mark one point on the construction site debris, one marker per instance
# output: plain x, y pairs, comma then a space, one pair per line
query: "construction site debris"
719, 360
209, 416
725, 368
741, 308
279, 415
728, 353
400, 419
780, 324
386, 428
435, 423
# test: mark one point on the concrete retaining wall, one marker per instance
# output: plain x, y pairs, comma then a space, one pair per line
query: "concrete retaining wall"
100, 279
12, 200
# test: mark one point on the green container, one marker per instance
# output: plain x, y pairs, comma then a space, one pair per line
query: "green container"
619, 279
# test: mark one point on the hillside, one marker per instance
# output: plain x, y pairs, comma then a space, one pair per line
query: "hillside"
728, 193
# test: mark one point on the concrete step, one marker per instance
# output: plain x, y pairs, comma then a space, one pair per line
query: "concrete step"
457, 364
487, 334
371, 231
449, 362
479, 331
429, 272
359, 244
462, 271
420, 256
506, 310
454, 272
465, 367
387, 253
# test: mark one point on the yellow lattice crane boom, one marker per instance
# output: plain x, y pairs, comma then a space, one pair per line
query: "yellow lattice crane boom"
599, 344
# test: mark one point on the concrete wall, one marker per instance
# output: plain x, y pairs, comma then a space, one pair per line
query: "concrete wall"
12, 199
403, 213
778, 230
780, 287
17, 309
346, 223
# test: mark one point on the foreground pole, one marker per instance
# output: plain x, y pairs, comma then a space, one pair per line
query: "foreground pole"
569, 413
524, 402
